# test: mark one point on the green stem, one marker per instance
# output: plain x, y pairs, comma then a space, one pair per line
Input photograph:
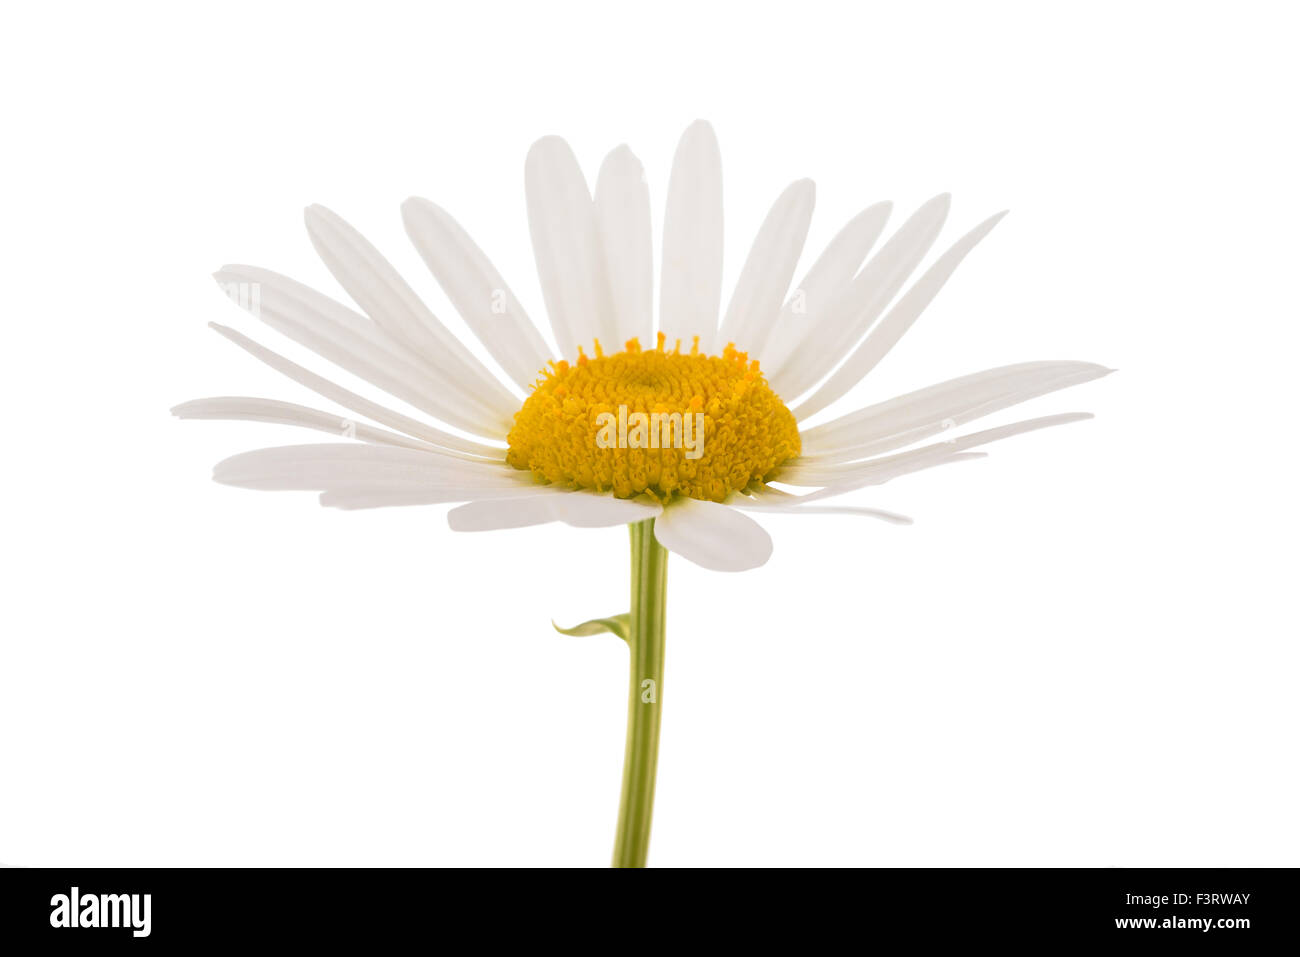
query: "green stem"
645, 691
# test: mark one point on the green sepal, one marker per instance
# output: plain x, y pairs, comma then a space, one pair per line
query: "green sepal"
620, 625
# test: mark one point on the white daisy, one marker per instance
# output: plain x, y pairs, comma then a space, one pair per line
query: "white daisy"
541, 462
681, 433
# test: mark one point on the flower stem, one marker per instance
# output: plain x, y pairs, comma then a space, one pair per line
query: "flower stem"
645, 689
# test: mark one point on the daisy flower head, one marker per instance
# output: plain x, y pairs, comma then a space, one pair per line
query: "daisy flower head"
684, 429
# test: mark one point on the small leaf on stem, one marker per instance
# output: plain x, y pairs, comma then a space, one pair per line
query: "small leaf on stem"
617, 625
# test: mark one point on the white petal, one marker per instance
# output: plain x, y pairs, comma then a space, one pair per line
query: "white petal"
578, 508
765, 277
494, 515
623, 215
918, 415
566, 244
836, 483
338, 334
867, 296
354, 497
255, 288
380, 291
359, 404
331, 465
690, 285
824, 283
242, 408
713, 536
886, 467
592, 510
773, 500
898, 321
477, 291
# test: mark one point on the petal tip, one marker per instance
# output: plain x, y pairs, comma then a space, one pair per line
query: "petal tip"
548, 143
416, 203
699, 134
316, 216
993, 220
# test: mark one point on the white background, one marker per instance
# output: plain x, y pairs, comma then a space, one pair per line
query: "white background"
1083, 653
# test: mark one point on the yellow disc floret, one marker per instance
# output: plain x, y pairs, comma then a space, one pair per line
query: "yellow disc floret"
660, 422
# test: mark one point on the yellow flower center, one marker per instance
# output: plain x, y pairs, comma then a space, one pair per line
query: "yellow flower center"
660, 422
